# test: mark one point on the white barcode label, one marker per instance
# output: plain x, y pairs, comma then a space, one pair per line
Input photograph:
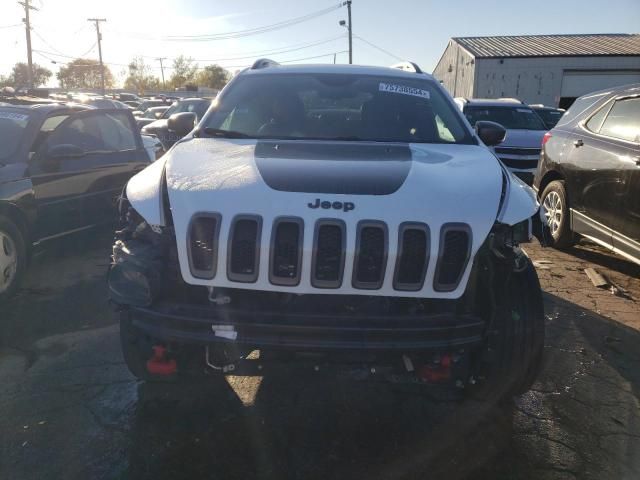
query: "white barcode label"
403, 90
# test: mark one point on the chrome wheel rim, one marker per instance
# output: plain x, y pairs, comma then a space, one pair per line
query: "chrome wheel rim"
8, 261
553, 211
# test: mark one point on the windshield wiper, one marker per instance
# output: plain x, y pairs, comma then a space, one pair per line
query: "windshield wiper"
217, 132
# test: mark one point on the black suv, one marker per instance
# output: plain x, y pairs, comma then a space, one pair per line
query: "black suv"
588, 178
187, 110
61, 169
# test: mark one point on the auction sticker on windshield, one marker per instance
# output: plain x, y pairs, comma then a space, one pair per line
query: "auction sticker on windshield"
403, 90
17, 117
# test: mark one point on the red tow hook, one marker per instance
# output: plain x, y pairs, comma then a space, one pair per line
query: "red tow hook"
159, 364
436, 373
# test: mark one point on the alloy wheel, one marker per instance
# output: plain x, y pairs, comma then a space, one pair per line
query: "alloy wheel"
553, 211
8, 261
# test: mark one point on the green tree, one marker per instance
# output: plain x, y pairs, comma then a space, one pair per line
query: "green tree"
213, 76
184, 72
18, 76
140, 77
84, 73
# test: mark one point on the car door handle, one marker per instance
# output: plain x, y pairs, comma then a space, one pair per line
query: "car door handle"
578, 143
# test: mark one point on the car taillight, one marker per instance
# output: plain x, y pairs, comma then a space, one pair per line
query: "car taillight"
546, 138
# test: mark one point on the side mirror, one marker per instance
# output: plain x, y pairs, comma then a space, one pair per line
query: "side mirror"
65, 150
181, 123
491, 133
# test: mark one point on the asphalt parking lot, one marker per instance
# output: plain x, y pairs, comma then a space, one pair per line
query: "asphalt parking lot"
70, 409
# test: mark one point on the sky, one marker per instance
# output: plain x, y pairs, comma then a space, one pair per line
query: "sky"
416, 30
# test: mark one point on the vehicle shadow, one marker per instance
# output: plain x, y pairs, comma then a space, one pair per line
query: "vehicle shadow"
592, 253
294, 424
63, 291
316, 427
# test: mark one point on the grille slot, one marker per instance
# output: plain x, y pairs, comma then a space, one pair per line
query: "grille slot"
413, 256
244, 249
371, 255
202, 240
517, 151
286, 251
454, 252
329, 252
519, 163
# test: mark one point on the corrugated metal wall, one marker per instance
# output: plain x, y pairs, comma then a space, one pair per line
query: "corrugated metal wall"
456, 71
539, 80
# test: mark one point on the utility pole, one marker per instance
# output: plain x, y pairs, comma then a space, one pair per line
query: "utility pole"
162, 70
348, 25
97, 22
348, 2
27, 25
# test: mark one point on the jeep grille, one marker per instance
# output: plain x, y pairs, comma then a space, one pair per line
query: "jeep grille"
203, 245
287, 253
455, 249
244, 249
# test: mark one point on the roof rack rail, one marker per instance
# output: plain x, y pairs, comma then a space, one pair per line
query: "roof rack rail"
263, 63
408, 67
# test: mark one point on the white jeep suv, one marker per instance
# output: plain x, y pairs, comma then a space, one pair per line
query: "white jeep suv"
331, 216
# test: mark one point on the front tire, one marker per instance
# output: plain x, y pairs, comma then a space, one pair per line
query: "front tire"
556, 205
13, 258
515, 341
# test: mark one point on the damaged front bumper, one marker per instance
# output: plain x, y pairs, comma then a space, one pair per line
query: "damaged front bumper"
209, 325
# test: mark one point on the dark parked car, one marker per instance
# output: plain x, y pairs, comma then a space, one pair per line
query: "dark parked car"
161, 128
589, 174
156, 102
151, 115
61, 169
132, 104
549, 115
520, 150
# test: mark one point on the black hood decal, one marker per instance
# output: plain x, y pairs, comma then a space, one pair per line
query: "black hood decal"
339, 168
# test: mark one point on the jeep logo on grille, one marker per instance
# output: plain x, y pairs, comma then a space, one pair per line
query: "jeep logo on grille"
326, 205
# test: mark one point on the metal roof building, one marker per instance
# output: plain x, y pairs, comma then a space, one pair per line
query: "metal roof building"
548, 69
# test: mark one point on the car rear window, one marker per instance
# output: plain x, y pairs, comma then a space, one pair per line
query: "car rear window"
339, 107
623, 121
511, 118
13, 126
580, 106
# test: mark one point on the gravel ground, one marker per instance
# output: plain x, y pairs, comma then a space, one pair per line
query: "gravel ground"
70, 409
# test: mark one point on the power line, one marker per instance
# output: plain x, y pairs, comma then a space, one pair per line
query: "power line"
377, 47
316, 56
11, 26
44, 41
44, 52
253, 31
89, 51
58, 52
279, 51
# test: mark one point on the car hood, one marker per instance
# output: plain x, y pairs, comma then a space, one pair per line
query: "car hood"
310, 180
523, 138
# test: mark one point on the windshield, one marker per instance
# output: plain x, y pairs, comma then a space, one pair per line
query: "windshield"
199, 107
338, 107
550, 117
12, 129
150, 103
511, 118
